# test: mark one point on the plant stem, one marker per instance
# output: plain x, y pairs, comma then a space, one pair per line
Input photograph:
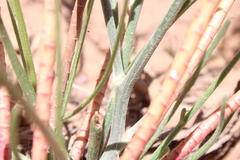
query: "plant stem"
215, 135
94, 138
130, 30
45, 79
31, 113
13, 130
5, 152
73, 33
205, 128
190, 83
83, 132
77, 55
135, 69
197, 105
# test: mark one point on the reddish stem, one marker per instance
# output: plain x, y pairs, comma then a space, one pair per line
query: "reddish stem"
205, 128
45, 81
160, 105
83, 133
5, 152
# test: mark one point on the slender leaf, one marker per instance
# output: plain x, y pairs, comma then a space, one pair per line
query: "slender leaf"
112, 34
76, 59
22, 77
130, 30
22, 38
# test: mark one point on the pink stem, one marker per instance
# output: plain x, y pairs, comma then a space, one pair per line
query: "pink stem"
5, 152
160, 105
83, 133
45, 81
205, 128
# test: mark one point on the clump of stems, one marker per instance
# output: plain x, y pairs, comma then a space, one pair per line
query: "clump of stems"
46, 104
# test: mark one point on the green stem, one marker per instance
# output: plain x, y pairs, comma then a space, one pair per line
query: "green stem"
94, 138
13, 130
139, 62
59, 122
124, 86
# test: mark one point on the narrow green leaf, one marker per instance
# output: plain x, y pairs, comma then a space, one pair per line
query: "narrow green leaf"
135, 11
112, 34
76, 60
22, 39
20, 73
108, 119
139, 62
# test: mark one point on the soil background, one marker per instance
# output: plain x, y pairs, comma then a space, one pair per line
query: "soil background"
97, 44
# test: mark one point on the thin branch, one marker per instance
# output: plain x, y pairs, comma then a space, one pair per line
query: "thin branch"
205, 128
5, 152
45, 79
73, 33
83, 133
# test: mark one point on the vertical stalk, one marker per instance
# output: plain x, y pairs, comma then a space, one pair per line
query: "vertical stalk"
83, 133
5, 152
45, 79
94, 138
135, 10
73, 33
